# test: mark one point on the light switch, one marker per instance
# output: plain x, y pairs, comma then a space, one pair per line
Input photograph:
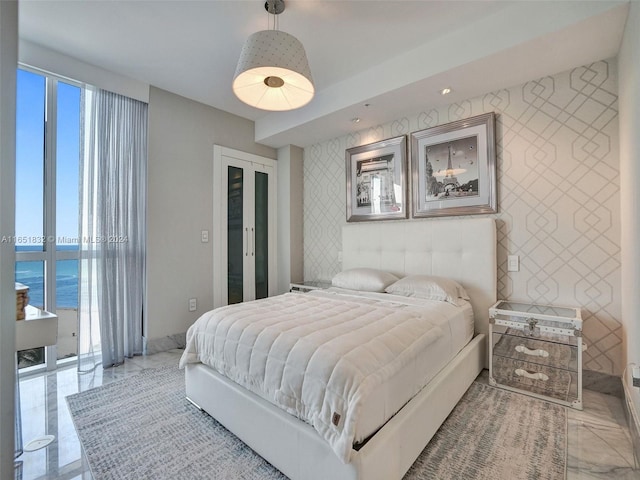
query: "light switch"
204, 235
513, 263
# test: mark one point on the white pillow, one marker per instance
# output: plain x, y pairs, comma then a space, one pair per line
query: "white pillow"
364, 279
429, 287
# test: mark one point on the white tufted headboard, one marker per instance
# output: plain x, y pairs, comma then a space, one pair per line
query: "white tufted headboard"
462, 249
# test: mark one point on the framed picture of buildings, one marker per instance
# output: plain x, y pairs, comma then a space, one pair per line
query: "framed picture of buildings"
377, 180
453, 168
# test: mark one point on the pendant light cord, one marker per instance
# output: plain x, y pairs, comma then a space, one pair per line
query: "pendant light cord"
276, 21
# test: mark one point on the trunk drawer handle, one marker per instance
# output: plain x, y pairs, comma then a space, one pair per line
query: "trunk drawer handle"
533, 376
534, 353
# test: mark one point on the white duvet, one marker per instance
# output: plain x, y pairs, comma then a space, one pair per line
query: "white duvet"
317, 356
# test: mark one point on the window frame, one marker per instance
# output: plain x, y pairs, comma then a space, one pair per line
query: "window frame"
49, 254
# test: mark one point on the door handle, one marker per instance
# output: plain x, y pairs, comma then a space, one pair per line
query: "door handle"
253, 242
246, 233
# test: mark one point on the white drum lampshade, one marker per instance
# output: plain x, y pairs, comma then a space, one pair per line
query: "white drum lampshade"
273, 72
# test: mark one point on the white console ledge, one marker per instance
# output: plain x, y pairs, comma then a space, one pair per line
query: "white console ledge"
38, 329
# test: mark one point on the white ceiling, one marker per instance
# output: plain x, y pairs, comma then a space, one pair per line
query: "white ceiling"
395, 55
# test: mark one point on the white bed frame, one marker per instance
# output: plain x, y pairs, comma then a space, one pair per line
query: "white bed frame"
462, 249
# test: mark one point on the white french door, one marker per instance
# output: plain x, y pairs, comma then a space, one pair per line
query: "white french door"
244, 227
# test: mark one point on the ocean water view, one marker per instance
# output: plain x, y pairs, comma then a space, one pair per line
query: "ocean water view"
31, 274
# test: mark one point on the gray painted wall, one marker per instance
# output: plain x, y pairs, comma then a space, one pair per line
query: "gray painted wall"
629, 64
8, 62
290, 218
182, 133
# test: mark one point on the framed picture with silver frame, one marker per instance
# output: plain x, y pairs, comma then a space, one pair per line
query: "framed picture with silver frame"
453, 168
377, 180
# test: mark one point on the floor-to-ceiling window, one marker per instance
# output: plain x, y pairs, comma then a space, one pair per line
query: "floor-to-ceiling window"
47, 162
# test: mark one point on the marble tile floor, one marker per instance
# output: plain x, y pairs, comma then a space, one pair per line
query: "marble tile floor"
599, 445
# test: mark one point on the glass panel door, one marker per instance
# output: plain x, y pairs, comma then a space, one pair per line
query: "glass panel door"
67, 307
261, 235
47, 166
31, 274
67, 167
235, 237
30, 154
67, 216
31, 101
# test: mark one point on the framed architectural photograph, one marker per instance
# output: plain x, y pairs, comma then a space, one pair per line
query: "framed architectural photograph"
453, 168
377, 180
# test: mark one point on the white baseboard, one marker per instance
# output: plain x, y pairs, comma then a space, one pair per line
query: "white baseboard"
633, 419
162, 344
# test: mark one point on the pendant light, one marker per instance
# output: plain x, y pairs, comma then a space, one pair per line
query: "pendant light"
273, 72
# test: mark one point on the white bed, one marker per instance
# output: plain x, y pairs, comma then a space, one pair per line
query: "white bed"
457, 328
463, 250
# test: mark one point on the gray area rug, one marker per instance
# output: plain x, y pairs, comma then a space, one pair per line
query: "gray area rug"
142, 427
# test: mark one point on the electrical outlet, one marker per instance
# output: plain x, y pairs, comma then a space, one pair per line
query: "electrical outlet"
513, 263
193, 304
204, 236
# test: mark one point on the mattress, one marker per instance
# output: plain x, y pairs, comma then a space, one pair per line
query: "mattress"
341, 361
389, 397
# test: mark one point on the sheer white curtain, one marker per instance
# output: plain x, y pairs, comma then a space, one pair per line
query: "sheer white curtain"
112, 228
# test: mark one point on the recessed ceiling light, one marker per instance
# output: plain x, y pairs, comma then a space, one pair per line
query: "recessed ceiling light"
445, 91
356, 120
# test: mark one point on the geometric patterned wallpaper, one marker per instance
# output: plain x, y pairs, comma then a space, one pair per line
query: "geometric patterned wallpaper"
558, 196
